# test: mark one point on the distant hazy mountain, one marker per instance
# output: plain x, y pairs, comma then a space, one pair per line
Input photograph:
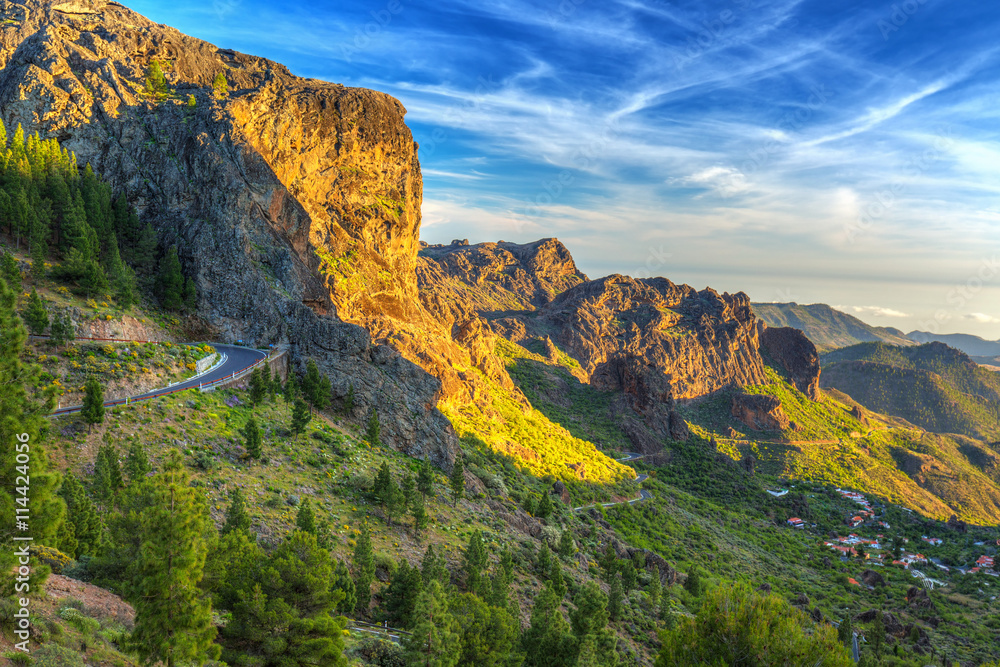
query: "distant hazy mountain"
826, 327
933, 386
974, 346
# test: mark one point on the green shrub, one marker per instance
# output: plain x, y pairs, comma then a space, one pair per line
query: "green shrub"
78, 620
52, 655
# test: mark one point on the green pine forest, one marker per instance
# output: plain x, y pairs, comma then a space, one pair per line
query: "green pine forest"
271, 526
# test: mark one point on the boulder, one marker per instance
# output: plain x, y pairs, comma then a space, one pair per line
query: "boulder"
764, 588
872, 578
759, 412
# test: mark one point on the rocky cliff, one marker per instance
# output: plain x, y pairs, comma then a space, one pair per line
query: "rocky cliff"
293, 203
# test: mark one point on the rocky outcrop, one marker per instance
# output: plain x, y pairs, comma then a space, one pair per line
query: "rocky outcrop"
760, 412
872, 578
294, 203
796, 354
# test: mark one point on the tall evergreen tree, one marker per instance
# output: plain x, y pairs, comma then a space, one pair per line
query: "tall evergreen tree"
137, 464
544, 509
343, 582
190, 295
36, 316
81, 514
547, 642
502, 580
258, 388
566, 547
364, 569
474, 561
237, 516
253, 441
171, 281
433, 566
655, 591
300, 417
435, 641
374, 429
62, 330
93, 403
425, 478
419, 514
556, 578
544, 564
457, 481
305, 519
311, 383
349, 401
9, 270
408, 487
487, 633
23, 424
400, 597
291, 390
595, 644
392, 503
107, 475
172, 623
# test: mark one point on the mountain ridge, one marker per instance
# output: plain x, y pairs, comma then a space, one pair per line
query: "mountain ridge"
826, 326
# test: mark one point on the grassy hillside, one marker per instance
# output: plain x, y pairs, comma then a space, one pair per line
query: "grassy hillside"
827, 328
933, 386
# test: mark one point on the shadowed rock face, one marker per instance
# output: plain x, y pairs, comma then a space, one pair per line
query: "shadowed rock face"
289, 200
760, 412
797, 354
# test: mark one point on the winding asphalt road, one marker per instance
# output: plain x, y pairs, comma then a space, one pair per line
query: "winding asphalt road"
233, 360
643, 493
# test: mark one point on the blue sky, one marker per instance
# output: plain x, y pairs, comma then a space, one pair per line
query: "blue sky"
839, 152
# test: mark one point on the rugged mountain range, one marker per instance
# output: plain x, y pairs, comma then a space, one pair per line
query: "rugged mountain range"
934, 386
295, 207
980, 350
827, 327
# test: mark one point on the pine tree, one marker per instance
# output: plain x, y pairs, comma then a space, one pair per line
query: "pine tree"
10, 271
487, 633
172, 622
419, 513
392, 501
544, 509
544, 560
237, 516
258, 388
408, 487
265, 375
629, 576
349, 401
36, 316
171, 281
400, 597
654, 591
291, 390
566, 547
845, 631
556, 578
107, 475
595, 644
62, 330
374, 429
435, 641
877, 636
457, 481
609, 562
93, 403
364, 569
343, 582
305, 519
190, 296
219, 85
474, 561
156, 82
83, 517
137, 464
503, 578
434, 567
425, 478
547, 641
253, 441
615, 597
300, 417
693, 583
311, 382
